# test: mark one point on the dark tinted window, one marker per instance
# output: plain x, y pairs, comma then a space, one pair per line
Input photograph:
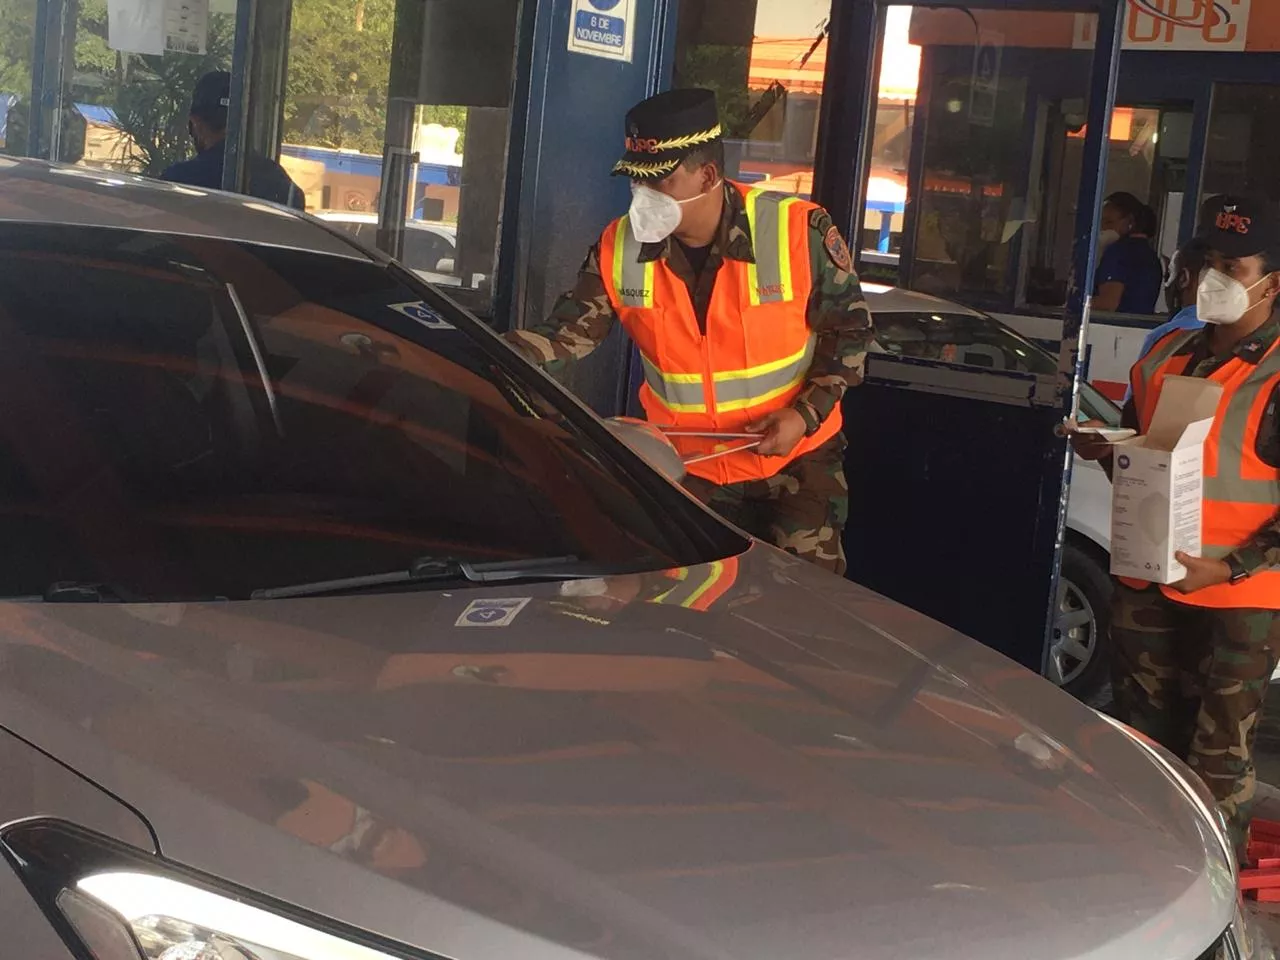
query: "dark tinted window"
974, 341
192, 418
978, 341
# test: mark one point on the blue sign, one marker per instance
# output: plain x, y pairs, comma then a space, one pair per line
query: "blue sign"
492, 612
603, 28
600, 29
425, 315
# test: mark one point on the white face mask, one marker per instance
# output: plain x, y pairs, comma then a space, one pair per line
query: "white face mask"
655, 216
1106, 238
1222, 299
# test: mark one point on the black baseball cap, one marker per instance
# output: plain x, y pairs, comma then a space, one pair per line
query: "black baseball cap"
663, 130
1239, 227
212, 96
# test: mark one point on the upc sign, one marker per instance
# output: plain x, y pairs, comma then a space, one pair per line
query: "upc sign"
1176, 25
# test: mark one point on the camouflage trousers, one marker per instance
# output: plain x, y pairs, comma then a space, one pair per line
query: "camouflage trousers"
802, 509
1194, 679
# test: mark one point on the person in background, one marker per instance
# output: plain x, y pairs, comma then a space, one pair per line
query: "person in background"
1180, 294
207, 124
1193, 661
1130, 273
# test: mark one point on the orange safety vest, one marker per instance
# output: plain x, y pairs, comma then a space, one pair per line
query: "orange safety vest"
1242, 492
756, 354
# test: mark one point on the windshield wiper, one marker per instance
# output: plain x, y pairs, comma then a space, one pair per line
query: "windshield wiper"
432, 569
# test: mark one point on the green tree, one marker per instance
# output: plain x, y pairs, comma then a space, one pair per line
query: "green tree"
338, 72
339, 67
17, 36
339, 75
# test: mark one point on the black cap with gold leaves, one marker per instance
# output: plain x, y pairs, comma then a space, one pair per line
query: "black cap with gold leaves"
663, 130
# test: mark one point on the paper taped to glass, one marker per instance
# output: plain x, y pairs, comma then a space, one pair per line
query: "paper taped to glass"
156, 27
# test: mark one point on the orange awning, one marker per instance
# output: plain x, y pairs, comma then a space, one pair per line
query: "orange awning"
782, 60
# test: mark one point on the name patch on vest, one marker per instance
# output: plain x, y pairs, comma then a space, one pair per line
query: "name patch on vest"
767, 290
634, 293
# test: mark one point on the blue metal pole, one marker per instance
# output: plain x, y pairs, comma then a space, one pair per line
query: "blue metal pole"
1075, 323
234, 165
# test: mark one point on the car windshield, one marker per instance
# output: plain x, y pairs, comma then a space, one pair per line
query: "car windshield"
977, 340
189, 418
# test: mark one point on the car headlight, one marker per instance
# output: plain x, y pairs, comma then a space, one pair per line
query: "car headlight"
1192, 786
111, 902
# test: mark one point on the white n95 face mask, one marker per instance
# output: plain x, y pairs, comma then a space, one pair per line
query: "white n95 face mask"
1222, 299
654, 216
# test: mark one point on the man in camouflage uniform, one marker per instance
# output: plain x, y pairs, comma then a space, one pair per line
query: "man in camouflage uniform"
804, 507
1192, 663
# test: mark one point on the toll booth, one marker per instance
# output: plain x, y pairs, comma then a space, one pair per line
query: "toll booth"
473, 138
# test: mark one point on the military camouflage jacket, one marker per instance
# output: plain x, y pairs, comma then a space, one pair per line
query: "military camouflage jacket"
837, 312
1264, 549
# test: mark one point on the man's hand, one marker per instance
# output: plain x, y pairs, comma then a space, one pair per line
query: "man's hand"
783, 430
1090, 446
1201, 573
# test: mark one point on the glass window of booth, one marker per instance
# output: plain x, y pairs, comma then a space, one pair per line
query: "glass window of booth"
1244, 140
108, 92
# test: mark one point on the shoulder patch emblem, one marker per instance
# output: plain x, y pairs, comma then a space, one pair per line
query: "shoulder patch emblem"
838, 250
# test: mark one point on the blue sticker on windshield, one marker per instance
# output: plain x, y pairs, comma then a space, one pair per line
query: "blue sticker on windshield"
425, 315
492, 613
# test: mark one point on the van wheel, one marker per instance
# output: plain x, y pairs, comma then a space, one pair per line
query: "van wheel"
1080, 651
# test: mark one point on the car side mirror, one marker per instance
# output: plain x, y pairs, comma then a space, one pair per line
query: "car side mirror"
649, 443
444, 265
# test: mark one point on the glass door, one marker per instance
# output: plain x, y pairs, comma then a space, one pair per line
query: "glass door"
979, 120
982, 162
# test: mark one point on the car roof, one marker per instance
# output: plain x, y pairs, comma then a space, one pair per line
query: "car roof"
882, 299
446, 230
36, 192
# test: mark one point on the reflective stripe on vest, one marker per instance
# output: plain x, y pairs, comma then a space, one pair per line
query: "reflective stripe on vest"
632, 279
1229, 484
679, 392
1146, 368
740, 389
770, 276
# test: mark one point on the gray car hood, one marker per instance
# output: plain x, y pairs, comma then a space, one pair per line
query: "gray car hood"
746, 760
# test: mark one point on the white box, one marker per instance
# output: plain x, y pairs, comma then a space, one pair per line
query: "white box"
1158, 484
